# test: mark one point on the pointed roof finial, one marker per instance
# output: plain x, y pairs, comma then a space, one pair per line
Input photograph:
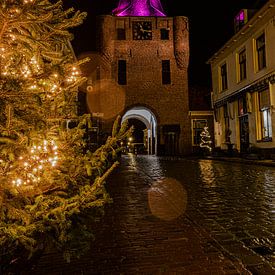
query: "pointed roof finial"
139, 8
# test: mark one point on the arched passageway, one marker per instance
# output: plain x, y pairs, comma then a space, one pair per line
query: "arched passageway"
149, 119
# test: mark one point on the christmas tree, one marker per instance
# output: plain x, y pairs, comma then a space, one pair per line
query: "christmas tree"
206, 139
49, 179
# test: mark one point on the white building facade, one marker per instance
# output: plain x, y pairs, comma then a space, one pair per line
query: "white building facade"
243, 84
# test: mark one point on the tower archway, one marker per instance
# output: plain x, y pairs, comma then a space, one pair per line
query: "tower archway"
146, 116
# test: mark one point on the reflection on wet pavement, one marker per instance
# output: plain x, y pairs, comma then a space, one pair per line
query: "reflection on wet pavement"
235, 202
180, 216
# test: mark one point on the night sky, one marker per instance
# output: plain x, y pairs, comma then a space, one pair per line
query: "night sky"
210, 26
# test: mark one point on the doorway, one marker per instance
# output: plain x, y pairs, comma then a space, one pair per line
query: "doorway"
244, 134
138, 115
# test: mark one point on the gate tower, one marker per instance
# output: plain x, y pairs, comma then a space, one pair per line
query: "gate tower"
141, 61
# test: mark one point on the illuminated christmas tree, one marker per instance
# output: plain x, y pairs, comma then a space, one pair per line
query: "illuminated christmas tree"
206, 139
49, 180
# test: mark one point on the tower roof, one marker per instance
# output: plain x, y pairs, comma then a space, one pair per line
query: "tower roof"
139, 8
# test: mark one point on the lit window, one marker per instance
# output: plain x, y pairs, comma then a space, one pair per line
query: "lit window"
198, 125
266, 124
242, 65
265, 113
240, 19
260, 52
223, 76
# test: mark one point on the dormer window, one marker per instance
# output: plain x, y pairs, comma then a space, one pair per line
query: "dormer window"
240, 20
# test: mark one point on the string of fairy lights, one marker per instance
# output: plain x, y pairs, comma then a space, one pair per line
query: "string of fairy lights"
41, 158
15, 64
206, 139
29, 69
25, 68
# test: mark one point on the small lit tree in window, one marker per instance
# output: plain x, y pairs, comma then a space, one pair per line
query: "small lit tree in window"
206, 139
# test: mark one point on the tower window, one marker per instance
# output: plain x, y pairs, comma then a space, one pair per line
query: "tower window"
121, 34
164, 34
166, 73
121, 78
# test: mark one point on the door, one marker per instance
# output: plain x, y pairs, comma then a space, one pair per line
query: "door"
171, 144
244, 134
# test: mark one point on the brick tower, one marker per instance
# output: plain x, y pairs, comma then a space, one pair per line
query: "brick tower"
140, 71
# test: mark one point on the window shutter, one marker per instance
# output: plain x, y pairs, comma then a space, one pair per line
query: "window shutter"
248, 102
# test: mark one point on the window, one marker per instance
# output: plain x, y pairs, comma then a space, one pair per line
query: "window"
242, 65
260, 52
122, 79
223, 77
240, 20
266, 124
166, 74
265, 115
121, 34
197, 128
164, 34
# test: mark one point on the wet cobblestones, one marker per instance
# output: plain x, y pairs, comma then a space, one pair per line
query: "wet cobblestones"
227, 226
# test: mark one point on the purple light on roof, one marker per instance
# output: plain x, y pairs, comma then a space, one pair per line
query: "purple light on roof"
139, 8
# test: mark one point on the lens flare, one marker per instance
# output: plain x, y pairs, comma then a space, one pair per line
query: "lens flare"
167, 199
106, 97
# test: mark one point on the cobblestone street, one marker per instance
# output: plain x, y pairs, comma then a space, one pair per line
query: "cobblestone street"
181, 217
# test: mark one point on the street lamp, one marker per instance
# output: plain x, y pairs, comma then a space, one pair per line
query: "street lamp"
129, 143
